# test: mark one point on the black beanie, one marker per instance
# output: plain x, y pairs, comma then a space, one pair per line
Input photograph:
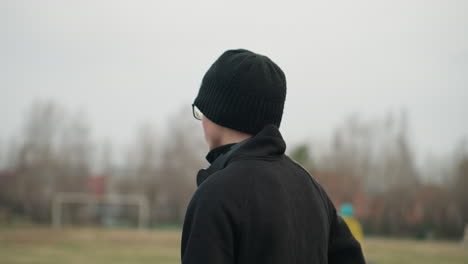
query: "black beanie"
244, 91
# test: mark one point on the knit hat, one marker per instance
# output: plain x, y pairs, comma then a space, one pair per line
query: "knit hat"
244, 91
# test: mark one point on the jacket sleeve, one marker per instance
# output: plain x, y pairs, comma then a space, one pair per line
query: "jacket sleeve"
343, 247
209, 228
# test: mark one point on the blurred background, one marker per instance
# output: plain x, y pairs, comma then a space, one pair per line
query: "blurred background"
97, 134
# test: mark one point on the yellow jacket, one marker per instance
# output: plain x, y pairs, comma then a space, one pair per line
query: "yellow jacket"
355, 228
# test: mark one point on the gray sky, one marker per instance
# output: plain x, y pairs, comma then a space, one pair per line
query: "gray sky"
127, 62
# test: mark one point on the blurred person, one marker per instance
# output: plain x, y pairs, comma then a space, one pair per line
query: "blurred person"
253, 203
347, 212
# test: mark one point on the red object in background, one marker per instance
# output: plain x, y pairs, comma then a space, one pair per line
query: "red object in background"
97, 185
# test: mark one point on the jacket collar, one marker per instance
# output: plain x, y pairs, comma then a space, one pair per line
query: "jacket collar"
216, 152
266, 144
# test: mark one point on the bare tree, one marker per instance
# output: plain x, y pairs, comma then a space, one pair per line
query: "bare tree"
182, 158
52, 155
36, 159
461, 185
143, 163
375, 151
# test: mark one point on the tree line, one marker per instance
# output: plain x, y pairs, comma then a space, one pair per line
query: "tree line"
369, 163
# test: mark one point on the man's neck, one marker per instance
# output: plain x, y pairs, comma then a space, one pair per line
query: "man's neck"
229, 139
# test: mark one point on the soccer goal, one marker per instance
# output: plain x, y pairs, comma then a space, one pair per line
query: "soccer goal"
62, 199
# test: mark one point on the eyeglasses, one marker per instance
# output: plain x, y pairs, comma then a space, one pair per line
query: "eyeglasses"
196, 112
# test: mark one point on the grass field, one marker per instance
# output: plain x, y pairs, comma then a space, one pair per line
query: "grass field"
100, 246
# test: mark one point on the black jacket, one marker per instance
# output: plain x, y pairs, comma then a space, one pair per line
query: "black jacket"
255, 205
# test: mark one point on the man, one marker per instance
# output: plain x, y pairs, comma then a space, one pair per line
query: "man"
254, 204
347, 212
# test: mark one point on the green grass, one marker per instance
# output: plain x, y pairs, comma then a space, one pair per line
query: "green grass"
43, 245
101, 246
392, 251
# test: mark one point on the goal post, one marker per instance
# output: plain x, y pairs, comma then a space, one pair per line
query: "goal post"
61, 199
465, 235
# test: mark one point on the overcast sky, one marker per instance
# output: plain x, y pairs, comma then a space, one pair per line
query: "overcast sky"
123, 63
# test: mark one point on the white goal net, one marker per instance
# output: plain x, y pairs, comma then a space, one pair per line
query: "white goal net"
98, 203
